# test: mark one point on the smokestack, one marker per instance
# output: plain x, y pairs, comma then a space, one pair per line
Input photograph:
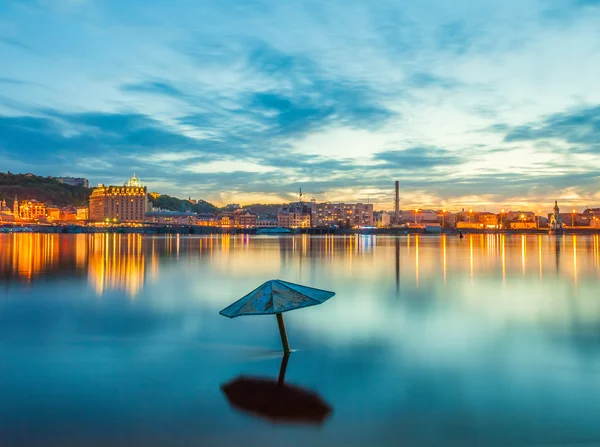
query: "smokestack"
397, 204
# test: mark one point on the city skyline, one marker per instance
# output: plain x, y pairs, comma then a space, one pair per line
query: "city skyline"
479, 104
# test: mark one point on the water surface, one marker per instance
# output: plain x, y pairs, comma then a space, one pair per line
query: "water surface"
116, 339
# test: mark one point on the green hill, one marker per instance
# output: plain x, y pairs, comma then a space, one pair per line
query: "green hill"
48, 190
174, 204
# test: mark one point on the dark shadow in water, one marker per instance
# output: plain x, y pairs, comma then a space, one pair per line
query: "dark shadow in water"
275, 400
557, 252
397, 266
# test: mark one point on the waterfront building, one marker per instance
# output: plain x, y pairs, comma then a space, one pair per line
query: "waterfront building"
556, 225
74, 181
30, 209
127, 203
53, 213
83, 213
6, 215
382, 219
342, 214
245, 220
266, 222
172, 218
208, 220
521, 216
523, 225
287, 219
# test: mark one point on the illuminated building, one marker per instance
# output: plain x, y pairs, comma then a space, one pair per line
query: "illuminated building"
6, 215
53, 213
83, 213
127, 203
342, 214
382, 219
266, 222
292, 219
245, 220
30, 209
172, 218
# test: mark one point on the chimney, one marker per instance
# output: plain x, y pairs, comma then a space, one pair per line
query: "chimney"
397, 204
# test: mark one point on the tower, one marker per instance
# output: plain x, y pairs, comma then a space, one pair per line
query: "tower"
16, 207
556, 225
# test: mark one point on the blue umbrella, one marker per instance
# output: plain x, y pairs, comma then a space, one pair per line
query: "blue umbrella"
275, 297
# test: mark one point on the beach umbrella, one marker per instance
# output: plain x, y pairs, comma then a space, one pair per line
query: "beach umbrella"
275, 297
275, 400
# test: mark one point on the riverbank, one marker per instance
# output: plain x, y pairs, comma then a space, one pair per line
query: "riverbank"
167, 229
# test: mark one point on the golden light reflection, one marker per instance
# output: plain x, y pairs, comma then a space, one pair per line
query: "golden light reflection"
444, 255
471, 256
523, 252
115, 265
575, 260
417, 259
503, 255
540, 254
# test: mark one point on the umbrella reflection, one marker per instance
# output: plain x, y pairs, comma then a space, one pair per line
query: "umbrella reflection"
275, 400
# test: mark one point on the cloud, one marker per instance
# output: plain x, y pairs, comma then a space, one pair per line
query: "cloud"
417, 158
230, 98
579, 127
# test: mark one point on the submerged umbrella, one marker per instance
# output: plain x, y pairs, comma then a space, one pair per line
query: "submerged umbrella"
276, 297
275, 400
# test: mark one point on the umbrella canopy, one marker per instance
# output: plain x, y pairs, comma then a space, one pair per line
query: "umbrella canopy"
275, 400
274, 297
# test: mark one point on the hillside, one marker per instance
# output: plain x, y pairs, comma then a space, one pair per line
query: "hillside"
174, 204
51, 191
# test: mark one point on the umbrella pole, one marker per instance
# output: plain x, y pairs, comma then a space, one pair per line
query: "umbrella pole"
282, 368
284, 339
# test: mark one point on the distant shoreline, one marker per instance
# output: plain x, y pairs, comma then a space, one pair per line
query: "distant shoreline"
204, 230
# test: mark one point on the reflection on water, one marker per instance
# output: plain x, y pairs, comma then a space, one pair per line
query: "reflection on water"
431, 340
120, 261
275, 400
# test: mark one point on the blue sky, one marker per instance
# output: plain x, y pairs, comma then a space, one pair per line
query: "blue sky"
466, 103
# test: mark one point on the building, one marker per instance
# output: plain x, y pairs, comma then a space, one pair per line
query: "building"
83, 213
53, 213
6, 215
489, 220
382, 219
127, 203
523, 225
68, 214
556, 225
74, 181
30, 209
208, 220
172, 218
245, 220
266, 222
521, 216
342, 214
287, 219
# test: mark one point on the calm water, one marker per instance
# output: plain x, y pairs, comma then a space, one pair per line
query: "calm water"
116, 339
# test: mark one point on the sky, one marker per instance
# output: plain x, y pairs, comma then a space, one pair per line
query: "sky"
467, 103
